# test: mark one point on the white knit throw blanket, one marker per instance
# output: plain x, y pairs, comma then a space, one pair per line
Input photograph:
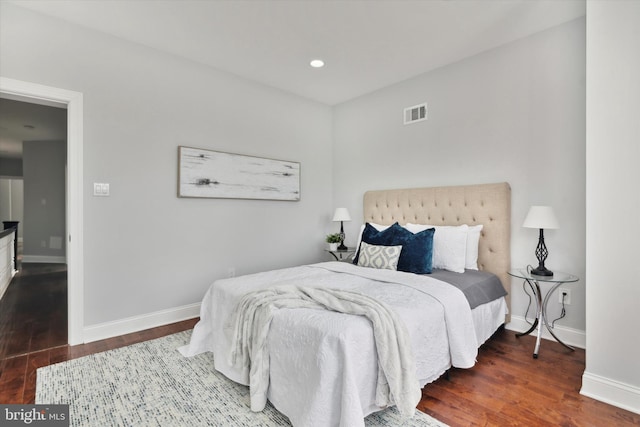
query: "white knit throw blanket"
397, 381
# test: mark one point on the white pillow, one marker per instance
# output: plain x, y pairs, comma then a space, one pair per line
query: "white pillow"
473, 239
449, 245
376, 226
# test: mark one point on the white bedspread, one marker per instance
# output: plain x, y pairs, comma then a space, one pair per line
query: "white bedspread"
397, 382
323, 364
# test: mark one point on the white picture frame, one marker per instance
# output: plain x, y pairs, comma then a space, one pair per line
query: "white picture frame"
216, 174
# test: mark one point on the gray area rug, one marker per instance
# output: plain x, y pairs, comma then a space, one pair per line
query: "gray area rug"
151, 384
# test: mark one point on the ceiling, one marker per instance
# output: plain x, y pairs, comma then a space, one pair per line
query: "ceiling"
366, 44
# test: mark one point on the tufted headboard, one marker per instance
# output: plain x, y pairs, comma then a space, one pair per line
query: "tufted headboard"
487, 204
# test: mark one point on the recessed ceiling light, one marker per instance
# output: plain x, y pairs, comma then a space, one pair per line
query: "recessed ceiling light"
317, 63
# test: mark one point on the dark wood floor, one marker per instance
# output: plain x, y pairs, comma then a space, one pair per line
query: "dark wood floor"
33, 311
506, 387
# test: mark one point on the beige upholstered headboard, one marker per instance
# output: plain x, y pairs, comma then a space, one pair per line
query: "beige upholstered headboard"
487, 204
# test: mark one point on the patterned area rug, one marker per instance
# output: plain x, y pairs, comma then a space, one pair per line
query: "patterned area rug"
151, 384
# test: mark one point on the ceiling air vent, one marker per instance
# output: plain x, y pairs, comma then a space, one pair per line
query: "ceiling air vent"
417, 113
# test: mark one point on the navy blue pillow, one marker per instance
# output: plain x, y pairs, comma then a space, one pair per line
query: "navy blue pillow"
417, 249
372, 236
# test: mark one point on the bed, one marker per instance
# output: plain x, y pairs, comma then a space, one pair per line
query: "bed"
322, 366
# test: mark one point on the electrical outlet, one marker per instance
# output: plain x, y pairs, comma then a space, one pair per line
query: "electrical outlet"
567, 296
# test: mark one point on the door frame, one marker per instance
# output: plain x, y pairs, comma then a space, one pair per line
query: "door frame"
47, 95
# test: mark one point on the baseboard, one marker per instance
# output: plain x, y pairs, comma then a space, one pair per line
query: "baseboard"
574, 337
3, 288
139, 323
44, 259
609, 391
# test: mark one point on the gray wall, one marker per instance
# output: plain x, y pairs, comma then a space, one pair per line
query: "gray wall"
44, 225
515, 114
145, 249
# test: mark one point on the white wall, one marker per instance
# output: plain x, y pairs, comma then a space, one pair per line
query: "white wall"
515, 114
5, 200
613, 202
12, 201
145, 249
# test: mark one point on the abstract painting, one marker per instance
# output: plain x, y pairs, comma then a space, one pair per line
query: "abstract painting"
206, 173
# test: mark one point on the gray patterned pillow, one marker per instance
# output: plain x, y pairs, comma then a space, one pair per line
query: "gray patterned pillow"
382, 257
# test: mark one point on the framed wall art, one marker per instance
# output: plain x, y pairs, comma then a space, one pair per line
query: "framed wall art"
215, 174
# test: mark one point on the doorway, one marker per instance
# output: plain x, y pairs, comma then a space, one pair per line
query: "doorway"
33, 146
73, 101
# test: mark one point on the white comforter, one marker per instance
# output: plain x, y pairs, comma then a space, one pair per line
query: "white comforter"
397, 383
323, 364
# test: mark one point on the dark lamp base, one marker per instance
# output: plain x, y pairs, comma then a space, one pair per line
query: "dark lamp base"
541, 272
342, 247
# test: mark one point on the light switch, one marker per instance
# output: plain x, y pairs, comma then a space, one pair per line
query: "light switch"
100, 189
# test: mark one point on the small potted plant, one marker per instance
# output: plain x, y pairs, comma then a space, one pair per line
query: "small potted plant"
333, 240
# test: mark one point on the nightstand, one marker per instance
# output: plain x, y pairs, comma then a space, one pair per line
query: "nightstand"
533, 281
345, 255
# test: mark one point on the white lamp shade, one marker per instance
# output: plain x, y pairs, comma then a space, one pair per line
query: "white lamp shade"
541, 217
341, 214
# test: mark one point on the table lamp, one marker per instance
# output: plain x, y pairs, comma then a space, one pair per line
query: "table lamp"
341, 214
541, 217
